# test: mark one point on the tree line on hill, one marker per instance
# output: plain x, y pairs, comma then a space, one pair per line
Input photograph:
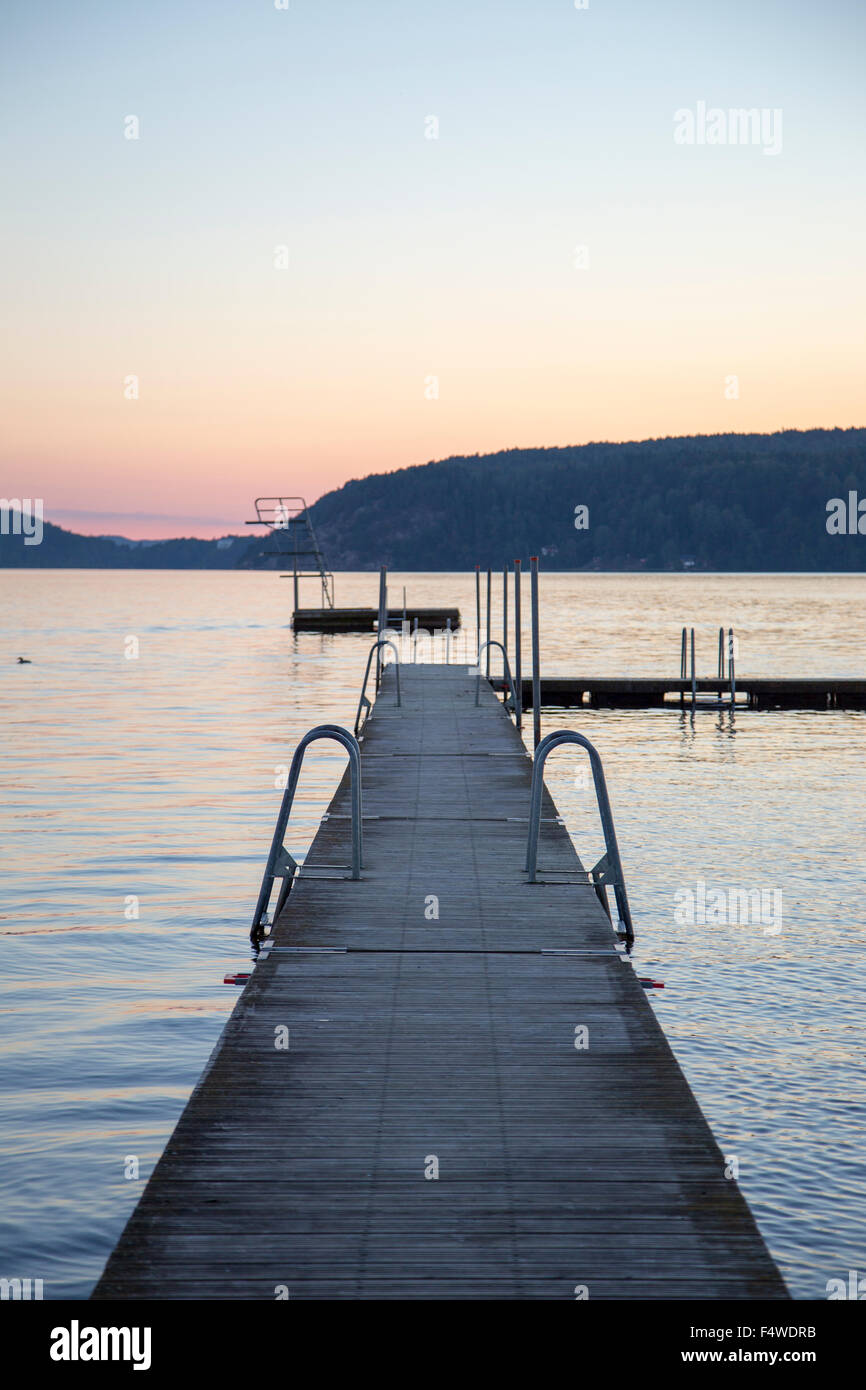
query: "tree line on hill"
705, 502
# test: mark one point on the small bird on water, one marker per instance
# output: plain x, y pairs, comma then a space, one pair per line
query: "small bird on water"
24, 661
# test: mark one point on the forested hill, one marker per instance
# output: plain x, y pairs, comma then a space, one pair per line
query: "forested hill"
708, 502
723, 502
62, 549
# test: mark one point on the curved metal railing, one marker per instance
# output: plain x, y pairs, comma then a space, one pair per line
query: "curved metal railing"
280, 863
608, 871
364, 703
507, 668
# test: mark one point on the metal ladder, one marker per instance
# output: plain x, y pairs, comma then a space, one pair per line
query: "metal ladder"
281, 863
703, 702
507, 668
364, 704
608, 871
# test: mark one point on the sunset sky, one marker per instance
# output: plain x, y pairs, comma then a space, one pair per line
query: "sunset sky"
411, 258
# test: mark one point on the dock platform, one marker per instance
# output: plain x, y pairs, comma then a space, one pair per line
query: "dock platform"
649, 692
365, 619
433, 1129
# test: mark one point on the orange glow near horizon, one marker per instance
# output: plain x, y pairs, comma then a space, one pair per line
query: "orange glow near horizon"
206, 489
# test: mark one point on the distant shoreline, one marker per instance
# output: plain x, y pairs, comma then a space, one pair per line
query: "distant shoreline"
600, 574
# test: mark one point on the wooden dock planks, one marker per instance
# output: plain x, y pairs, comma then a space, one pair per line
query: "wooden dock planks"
413, 1039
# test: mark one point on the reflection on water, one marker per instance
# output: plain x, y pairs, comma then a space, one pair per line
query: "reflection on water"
139, 800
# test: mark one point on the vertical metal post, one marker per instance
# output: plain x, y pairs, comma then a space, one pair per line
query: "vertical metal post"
694, 674
683, 663
447, 641
721, 654
477, 614
383, 598
404, 603
296, 585
536, 660
415, 638
731, 666
383, 618
487, 634
505, 610
518, 679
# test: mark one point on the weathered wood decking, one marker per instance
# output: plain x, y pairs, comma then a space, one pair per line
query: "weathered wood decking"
414, 1039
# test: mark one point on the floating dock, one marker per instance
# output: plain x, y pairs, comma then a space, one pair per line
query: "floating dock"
366, 619
475, 1101
648, 692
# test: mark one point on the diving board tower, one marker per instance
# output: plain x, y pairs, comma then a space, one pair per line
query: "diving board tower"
291, 534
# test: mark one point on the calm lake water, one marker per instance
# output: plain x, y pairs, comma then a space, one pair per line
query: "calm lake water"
148, 784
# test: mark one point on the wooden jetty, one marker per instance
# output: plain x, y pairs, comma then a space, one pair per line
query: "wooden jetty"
365, 619
436, 1128
647, 692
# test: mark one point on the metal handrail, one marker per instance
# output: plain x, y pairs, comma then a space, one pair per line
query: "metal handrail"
280, 863
364, 702
608, 870
506, 665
